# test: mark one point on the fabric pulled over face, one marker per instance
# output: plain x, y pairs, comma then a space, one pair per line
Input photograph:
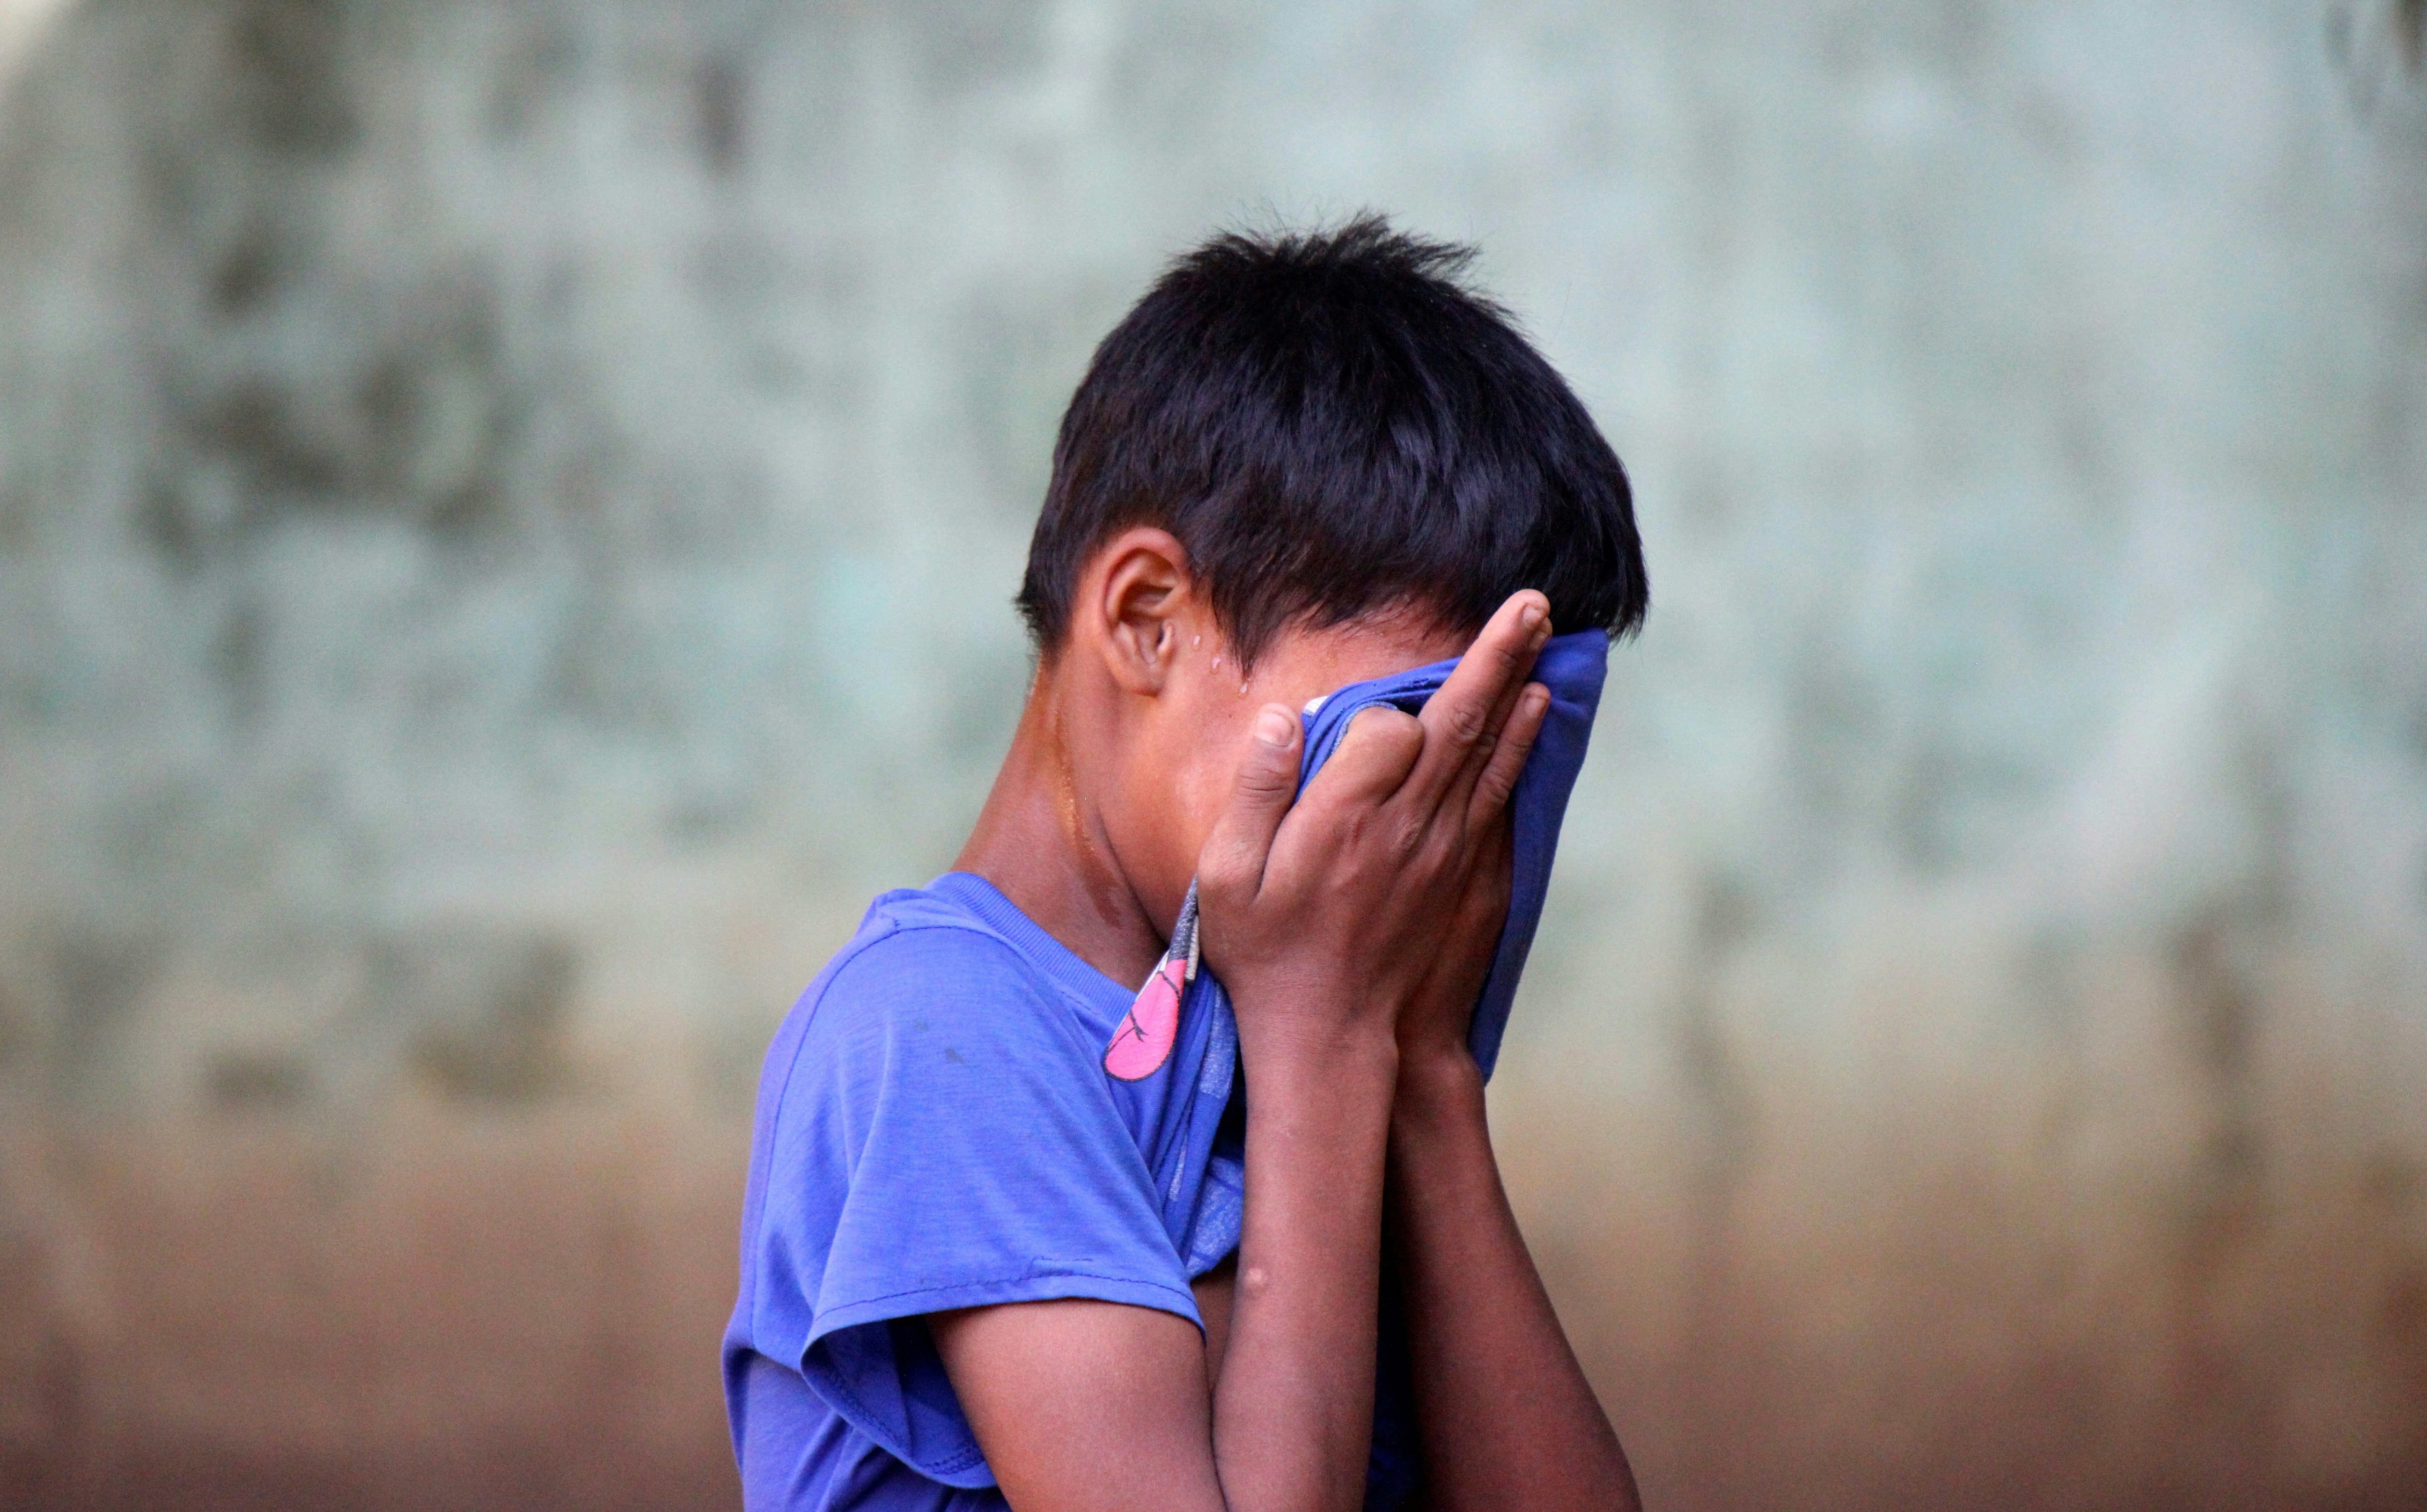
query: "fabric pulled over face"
1572, 668
1204, 1172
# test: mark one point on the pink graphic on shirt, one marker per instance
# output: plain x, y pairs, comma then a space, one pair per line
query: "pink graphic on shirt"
1151, 1025
1144, 1041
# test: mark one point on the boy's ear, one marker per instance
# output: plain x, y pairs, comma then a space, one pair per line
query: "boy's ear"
1136, 603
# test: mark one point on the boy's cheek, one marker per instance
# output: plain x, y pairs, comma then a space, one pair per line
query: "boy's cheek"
1189, 799
1167, 806
1192, 804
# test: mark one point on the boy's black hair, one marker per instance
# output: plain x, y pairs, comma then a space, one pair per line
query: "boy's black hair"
1332, 424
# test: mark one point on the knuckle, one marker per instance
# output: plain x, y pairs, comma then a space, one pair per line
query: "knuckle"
1351, 830
1466, 721
1264, 780
1267, 769
1386, 728
1379, 750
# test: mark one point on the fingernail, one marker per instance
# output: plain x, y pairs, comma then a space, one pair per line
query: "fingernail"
1273, 727
1530, 616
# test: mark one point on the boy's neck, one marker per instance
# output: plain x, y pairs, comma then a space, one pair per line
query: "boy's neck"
1040, 841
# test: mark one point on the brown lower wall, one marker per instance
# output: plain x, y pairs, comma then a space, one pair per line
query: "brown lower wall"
522, 1314
436, 1312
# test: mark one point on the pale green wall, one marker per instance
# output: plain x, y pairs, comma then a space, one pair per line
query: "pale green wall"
507, 515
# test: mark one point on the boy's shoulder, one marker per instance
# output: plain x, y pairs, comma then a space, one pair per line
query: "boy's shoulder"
929, 959
924, 939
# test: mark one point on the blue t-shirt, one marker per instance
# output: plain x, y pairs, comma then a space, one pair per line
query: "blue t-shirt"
937, 1129
958, 1113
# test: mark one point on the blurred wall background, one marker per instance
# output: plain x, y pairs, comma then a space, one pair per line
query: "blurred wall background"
507, 515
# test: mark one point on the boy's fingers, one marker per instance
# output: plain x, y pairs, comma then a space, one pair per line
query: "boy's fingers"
1459, 796
1460, 720
1498, 781
1233, 859
1373, 757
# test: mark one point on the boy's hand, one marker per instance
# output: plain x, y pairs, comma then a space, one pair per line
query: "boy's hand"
1433, 1029
1433, 1055
1328, 919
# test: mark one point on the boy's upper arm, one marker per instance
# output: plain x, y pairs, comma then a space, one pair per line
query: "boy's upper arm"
981, 1157
945, 1140
1086, 1406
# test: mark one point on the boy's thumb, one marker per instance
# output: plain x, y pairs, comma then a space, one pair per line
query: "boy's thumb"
1267, 784
1268, 775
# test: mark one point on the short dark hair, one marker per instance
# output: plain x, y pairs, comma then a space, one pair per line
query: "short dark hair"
1334, 423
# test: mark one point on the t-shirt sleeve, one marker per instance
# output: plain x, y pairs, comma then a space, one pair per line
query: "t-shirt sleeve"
947, 1140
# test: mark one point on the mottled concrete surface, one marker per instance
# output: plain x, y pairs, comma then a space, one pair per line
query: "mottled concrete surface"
507, 516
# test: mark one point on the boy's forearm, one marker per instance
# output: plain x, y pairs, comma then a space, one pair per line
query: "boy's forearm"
1293, 1408
1507, 1417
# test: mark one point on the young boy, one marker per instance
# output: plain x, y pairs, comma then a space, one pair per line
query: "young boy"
1019, 1231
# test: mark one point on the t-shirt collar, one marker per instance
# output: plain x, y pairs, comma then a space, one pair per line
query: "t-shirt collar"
969, 890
